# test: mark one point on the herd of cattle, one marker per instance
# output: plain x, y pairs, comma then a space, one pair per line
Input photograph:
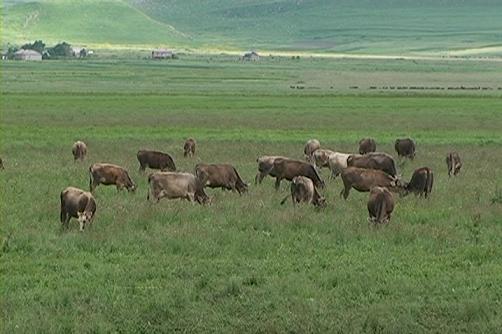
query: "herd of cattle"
368, 171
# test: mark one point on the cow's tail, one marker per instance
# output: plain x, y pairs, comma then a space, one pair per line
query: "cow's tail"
430, 180
239, 180
381, 210
285, 199
318, 177
90, 177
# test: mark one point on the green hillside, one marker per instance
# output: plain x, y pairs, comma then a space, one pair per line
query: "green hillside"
362, 26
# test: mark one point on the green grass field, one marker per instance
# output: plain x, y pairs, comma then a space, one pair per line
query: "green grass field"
245, 263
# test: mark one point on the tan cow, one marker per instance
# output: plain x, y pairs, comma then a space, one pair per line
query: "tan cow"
380, 205
304, 191
223, 176
265, 164
309, 149
108, 174
454, 163
362, 179
320, 157
78, 204
79, 150
375, 160
176, 185
338, 162
189, 148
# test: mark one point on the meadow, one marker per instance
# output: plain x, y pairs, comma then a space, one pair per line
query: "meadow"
246, 263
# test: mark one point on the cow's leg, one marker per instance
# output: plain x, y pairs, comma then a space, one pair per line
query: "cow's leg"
277, 183
93, 184
346, 191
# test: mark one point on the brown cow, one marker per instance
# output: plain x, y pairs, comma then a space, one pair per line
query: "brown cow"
310, 147
421, 182
189, 147
155, 160
454, 163
265, 164
223, 176
380, 205
107, 174
303, 190
176, 185
320, 157
362, 179
79, 150
405, 148
375, 160
288, 169
367, 145
79, 204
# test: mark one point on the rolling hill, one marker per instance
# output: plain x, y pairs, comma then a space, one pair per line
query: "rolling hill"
360, 27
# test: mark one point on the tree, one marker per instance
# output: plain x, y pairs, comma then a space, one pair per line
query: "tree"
61, 50
38, 46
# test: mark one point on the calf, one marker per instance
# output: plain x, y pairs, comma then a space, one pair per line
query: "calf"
367, 145
362, 179
176, 185
220, 176
79, 150
79, 204
405, 148
375, 160
420, 183
108, 174
303, 190
265, 164
454, 163
337, 162
189, 148
310, 147
380, 205
288, 169
155, 160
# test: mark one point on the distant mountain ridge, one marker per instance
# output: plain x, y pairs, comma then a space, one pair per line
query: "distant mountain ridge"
357, 26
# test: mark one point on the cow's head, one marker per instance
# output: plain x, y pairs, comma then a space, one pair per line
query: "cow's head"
84, 218
320, 202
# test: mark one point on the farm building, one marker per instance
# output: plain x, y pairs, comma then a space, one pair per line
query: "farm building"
27, 55
162, 54
251, 56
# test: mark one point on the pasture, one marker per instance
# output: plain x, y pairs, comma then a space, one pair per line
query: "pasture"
245, 263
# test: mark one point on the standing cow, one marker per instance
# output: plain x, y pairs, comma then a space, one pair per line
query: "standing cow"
79, 150
362, 179
265, 164
380, 205
155, 160
338, 162
420, 183
309, 149
320, 157
367, 145
405, 148
108, 174
454, 163
189, 148
176, 185
375, 160
79, 204
303, 190
288, 169
223, 176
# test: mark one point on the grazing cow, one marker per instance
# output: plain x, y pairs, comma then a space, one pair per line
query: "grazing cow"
375, 160
367, 145
1, 164
176, 185
362, 179
320, 157
405, 148
310, 147
380, 205
107, 174
220, 176
155, 160
454, 163
288, 169
265, 164
79, 150
420, 183
337, 162
303, 190
79, 204
189, 148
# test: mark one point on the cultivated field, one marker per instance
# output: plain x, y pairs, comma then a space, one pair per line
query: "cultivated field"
245, 263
